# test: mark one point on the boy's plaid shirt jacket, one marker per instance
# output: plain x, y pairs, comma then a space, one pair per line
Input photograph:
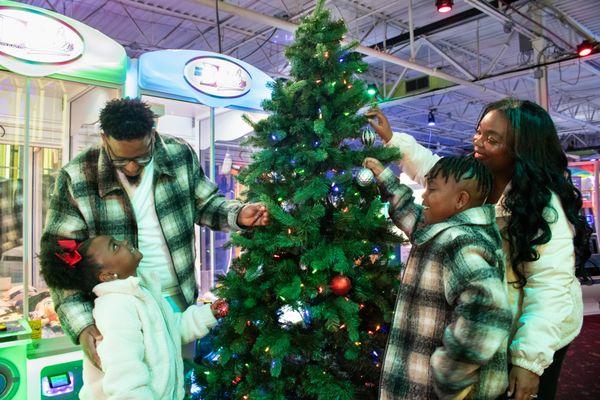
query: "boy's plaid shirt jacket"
88, 201
451, 323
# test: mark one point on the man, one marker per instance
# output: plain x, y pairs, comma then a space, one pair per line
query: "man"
148, 189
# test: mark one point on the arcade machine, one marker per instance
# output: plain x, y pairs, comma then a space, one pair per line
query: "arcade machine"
201, 96
585, 177
55, 75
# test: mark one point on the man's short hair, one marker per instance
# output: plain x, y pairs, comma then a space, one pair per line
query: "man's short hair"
127, 119
462, 168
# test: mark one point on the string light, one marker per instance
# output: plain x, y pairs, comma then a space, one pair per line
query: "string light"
372, 89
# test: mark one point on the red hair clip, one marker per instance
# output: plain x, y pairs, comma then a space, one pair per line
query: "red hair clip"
70, 254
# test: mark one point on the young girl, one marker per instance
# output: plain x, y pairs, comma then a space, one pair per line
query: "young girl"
140, 350
538, 212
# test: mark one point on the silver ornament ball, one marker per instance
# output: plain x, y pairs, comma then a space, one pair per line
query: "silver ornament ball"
368, 137
365, 177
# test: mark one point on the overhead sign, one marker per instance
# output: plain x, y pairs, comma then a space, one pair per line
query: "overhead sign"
213, 79
39, 42
38, 38
216, 76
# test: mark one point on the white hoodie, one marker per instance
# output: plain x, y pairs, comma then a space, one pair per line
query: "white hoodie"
141, 346
548, 311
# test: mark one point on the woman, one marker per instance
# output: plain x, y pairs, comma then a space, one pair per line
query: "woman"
538, 212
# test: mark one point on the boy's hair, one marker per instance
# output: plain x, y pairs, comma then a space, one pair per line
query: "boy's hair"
464, 168
127, 119
60, 275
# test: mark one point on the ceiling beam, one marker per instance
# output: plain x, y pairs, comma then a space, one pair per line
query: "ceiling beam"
291, 27
177, 14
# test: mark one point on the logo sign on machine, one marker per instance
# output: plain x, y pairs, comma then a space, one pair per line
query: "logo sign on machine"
218, 77
38, 38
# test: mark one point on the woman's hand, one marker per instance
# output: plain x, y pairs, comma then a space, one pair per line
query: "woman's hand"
381, 126
522, 383
374, 165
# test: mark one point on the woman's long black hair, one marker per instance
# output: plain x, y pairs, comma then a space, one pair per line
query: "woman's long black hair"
540, 170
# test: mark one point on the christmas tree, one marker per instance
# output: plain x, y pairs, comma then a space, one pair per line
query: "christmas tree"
312, 294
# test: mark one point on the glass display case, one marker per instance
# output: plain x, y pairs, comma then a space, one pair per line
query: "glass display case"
54, 112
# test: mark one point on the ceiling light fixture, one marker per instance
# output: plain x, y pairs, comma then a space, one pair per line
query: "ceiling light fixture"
444, 6
585, 48
431, 119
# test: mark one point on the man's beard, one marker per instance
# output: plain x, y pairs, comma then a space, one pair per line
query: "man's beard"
133, 180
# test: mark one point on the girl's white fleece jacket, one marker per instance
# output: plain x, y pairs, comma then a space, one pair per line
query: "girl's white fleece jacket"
141, 342
548, 311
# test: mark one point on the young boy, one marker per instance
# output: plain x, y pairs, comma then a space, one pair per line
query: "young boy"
140, 350
451, 323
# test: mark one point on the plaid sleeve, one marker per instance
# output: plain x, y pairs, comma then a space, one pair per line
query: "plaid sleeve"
65, 221
212, 209
481, 317
74, 312
404, 212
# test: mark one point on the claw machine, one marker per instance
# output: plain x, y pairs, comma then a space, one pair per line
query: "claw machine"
585, 176
55, 75
201, 96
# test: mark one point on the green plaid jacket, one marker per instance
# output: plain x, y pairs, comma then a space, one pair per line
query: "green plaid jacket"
88, 200
452, 318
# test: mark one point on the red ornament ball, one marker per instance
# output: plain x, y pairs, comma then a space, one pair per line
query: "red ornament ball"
220, 308
340, 285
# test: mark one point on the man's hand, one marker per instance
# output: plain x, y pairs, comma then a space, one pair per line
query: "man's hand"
89, 338
253, 214
381, 126
522, 383
374, 165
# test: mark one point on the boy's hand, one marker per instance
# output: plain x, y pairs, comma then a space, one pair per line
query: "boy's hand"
374, 165
220, 308
381, 126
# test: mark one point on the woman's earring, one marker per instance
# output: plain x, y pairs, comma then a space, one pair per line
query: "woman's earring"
115, 275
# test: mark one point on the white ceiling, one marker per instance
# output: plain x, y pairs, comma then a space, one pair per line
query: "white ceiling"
465, 43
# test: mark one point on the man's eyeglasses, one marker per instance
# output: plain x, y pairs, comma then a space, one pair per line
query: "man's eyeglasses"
121, 162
